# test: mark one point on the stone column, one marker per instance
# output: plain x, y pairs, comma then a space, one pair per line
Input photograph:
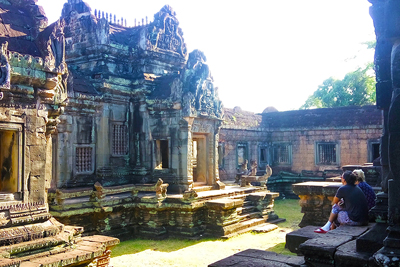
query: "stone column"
216, 182
139, 152
185, 167
386, 16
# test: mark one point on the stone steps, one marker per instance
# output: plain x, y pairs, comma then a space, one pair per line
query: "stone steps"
259, 228
82, 253
245, 209
249, 215
203, 188
242, 226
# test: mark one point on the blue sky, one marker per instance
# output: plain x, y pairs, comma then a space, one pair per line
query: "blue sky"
262, 52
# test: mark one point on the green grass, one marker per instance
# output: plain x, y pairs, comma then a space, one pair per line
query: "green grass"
166, 245
291, 211
286, 208
280, 249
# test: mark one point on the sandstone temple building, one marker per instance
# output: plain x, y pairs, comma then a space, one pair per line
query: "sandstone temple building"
136, 149
292, 141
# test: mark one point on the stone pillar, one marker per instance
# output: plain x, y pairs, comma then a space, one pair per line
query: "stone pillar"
103, 139
315, 201
216, 182
139, 153
185, 166
386, 17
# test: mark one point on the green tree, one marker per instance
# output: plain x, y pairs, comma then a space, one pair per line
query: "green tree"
357, 88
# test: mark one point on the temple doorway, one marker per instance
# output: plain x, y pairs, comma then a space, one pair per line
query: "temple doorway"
199, 159
9, 161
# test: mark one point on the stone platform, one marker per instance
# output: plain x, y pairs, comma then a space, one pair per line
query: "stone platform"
259, 258
346, 246
130, 211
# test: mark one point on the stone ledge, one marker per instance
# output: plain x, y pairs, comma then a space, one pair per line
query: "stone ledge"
224, 203
346, 255
296, 238
316, 188
322, 249
372, 240
258, 258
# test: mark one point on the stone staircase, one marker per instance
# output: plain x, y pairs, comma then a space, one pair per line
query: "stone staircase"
50, 244
201, 187
251, 211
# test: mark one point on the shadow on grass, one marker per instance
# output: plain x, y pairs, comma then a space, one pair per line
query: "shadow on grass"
280, 249
167, 245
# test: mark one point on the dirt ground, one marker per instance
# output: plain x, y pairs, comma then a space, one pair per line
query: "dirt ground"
204, 253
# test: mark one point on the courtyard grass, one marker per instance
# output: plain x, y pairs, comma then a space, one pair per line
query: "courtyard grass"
196, 253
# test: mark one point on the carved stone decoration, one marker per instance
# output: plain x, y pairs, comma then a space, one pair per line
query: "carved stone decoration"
202, 127
190, 195
164, 33
53, 41
4, 67
200, 96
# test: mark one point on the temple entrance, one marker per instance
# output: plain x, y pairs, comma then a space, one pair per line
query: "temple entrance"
162, 154
199, 159
9, 159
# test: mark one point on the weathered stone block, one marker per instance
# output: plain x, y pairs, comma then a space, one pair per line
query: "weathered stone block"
296, 238
347, 256
258, 258
372, 240
322, 249
224, 204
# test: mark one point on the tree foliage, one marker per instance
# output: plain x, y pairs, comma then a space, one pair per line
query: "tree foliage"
357, 88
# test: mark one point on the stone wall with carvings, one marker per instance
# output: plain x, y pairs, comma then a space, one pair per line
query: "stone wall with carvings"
33, 95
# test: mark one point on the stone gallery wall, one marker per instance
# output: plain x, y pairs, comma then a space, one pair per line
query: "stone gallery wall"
292, 141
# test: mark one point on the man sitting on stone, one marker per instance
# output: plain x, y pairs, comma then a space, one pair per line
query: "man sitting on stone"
349, 205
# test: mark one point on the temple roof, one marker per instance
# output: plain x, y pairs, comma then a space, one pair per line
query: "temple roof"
349, 116
237, 117
20, 23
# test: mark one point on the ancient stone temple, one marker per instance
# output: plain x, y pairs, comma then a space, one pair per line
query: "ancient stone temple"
139, 110
137, 146
33, 93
